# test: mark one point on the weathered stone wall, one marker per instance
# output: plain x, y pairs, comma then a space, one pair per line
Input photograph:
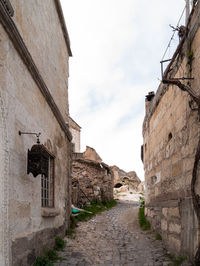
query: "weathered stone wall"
171, 133
75, 129
40, 27
23, 107
91, 181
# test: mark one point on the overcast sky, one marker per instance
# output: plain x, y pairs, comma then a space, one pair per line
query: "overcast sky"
117, 46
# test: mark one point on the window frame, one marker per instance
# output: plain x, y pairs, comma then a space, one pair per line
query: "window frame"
48, 199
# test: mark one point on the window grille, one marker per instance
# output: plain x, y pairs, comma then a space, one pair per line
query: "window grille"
47, 186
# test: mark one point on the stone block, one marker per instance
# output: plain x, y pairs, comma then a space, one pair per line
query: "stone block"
188, 164
165, 212
174, 228
166, 172
177, 169
164, 225
174, 212
157, 191
96, 193
174, 243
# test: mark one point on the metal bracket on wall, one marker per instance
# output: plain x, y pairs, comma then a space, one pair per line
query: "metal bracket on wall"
161, 62
162, 71
30, 133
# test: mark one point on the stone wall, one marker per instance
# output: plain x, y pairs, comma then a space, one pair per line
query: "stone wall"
91, 180
76, 135
171, 133
29, 54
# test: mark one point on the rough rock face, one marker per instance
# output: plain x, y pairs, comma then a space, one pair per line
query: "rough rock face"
128, 180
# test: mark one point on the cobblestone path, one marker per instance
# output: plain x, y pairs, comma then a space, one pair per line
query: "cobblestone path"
114, 238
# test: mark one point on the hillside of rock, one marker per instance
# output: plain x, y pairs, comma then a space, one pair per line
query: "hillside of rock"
127, 185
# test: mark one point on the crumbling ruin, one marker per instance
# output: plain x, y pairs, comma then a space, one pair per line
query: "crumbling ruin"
91, 178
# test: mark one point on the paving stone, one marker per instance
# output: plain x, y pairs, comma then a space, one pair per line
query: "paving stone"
105, 240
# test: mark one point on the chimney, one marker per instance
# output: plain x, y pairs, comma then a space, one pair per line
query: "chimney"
148, 100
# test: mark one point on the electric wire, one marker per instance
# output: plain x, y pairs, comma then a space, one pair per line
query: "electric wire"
168, 46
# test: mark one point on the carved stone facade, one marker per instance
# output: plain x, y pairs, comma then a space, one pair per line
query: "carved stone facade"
171, 134
34, 52
91, 178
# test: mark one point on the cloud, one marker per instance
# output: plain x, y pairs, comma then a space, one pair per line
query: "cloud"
117, 46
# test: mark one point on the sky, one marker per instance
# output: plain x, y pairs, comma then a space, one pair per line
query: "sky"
117, 46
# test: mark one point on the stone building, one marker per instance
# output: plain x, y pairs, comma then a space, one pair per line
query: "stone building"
34, 178
75, 130
91, 178
171, 150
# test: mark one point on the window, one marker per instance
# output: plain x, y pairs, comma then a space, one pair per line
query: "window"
47, 185
169, 136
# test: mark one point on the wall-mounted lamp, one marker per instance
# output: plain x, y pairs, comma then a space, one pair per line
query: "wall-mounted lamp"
38, 157
38, 160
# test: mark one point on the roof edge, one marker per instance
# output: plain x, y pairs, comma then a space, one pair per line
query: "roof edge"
63, 25
74, 121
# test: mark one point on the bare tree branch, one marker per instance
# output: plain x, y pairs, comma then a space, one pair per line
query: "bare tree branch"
183, 87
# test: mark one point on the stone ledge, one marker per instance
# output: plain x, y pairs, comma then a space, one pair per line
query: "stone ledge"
50, 212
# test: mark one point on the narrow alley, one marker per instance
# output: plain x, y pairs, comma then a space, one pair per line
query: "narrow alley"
114, 238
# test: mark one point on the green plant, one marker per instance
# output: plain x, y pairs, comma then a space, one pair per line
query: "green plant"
172, 256
158, 236
70, 232
190, 55
73, 222
42, 261
190, 59
95, 207
176, 261
143, 222
111, 203
59, 243
179, 261
52, 255
142, 202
